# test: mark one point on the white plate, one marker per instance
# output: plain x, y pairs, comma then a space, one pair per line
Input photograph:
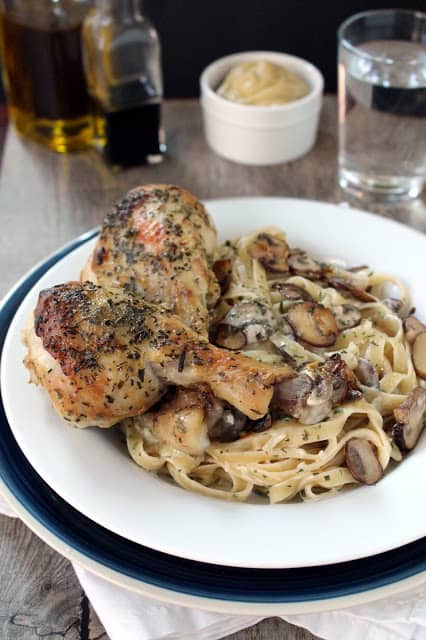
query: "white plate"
91, 470
362, 593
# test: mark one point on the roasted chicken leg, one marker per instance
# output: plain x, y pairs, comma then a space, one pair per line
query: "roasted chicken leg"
159, 243
104, 355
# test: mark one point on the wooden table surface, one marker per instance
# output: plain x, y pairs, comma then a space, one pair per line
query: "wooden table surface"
46, 200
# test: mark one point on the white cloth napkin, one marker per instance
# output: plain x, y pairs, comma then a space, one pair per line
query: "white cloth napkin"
128, 616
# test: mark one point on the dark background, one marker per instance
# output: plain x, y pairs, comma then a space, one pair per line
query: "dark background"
195, 32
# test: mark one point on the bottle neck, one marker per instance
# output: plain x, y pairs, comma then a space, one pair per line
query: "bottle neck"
121, 8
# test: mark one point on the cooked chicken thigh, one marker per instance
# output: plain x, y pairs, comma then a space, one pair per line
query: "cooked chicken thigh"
181, 420
130, 263
159, 243
105, 355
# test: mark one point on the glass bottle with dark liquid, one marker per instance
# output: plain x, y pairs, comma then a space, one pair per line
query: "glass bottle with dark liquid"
43, 71
123, 70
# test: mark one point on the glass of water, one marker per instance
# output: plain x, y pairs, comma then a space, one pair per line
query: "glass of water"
382, 103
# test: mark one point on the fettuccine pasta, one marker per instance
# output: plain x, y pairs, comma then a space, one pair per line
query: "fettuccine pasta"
334, 326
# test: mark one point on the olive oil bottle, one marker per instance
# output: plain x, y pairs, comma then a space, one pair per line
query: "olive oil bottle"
123, 69
43, 71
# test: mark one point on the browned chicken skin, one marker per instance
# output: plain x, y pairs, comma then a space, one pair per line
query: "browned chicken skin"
111, 355
159, 243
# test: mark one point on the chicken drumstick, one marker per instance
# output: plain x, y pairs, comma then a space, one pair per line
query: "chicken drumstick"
159, 243
104, 355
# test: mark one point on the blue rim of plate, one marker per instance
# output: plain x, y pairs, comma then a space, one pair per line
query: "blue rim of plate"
170, 572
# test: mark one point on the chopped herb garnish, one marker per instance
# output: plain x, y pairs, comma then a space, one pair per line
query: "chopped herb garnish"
181, 362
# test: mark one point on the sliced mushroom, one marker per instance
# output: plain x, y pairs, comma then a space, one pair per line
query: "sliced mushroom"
419, 354
302, 264
394, 304
214, 410
366, 373
279, 340
254, 319
310, 395
347, 287
341, 377
357, 268
362, 461
412, 328
313, 323
410, 418
272, 252
256, 426
303, 398
229, 426
389, 425
291, 292
230, 337
347, 316
222, 270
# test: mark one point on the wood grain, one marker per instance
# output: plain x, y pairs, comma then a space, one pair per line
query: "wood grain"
48, 199
40, 595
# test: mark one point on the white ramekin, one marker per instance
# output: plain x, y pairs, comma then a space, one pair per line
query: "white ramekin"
260, 135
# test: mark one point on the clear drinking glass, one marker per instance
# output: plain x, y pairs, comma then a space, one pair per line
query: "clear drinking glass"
382, 103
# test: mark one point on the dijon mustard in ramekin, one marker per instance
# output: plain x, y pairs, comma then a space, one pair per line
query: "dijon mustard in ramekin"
261, 134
